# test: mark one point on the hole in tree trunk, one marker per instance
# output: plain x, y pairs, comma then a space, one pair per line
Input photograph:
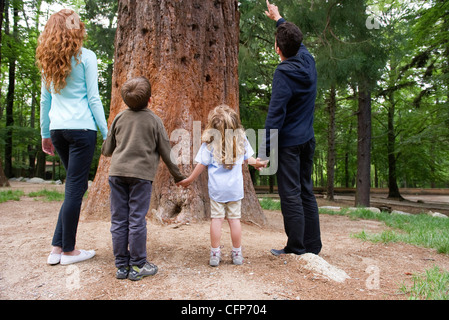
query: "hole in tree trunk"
177, 210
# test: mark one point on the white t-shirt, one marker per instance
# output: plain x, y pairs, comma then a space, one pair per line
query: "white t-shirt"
225, 185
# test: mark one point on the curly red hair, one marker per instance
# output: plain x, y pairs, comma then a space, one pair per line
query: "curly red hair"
61, 40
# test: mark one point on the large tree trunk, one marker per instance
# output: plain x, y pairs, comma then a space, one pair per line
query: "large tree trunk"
363, 184
189, 51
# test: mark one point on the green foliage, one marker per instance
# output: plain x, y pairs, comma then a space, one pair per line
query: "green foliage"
257, 62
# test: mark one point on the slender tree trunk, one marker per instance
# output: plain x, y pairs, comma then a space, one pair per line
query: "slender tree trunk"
363, 183
189, 52
32, 147
271, 180
331, 153
347, 153
393, 189
2, 10
10, 94
40, 164
3, 180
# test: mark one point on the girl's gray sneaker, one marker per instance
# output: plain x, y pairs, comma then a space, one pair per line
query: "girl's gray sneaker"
237, 257
215, 258
137, 273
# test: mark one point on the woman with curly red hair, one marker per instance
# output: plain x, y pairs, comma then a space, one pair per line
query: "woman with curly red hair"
71, 111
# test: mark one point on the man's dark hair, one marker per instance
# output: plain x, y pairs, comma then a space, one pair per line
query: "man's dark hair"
289, 38
136, 93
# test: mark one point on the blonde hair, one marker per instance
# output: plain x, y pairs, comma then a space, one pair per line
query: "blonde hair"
61, 40
225, 134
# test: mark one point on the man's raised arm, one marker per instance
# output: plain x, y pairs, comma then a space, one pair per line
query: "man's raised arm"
273, 12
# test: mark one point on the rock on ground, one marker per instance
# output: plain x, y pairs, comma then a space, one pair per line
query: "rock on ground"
317, 264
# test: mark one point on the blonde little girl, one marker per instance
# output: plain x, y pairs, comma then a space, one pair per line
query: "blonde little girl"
223, 152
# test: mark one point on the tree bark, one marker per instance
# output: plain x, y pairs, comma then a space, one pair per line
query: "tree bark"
363, 183
189, 52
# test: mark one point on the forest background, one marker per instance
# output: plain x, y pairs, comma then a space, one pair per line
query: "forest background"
383, 85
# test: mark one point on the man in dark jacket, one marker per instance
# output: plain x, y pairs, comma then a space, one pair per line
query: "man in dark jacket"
291, 113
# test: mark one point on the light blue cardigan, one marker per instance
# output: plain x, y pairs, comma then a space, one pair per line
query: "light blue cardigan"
78, 105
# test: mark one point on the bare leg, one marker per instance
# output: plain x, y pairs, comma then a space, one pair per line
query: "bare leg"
215, 232
236, 232
58, 250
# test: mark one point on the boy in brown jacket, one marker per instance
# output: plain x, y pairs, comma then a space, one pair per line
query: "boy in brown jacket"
136, 140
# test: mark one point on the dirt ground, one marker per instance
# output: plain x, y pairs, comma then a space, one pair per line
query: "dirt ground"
376, 271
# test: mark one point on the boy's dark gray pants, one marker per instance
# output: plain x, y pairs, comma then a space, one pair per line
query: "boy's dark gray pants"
298, 203
130, 201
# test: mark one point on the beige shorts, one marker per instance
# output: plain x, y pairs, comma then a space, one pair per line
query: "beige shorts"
231, 210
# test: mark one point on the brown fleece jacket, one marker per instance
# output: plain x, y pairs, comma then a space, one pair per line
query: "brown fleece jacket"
135, 141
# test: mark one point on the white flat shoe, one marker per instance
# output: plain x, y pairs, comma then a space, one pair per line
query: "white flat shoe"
54, 258
84, 255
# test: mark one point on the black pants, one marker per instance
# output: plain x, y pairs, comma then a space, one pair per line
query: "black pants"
76, 150
298, 203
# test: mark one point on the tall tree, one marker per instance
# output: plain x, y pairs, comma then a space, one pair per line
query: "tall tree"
396, 31
363, 180
370, 59
12, 38
3, 179
347, 54
189, 51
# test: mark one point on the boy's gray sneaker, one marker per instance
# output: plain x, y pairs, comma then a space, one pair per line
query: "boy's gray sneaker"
137, 273
122, 273
215, 258
237, 257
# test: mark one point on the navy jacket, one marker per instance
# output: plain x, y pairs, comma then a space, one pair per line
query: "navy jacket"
292, 104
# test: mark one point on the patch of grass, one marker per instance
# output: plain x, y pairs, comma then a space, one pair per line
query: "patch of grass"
420, 229
10, 195
47, 195
270, 204
432, 285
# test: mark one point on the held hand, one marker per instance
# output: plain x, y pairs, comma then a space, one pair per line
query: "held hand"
257, 163
47, 146
262, 164
273, 12
184, 183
